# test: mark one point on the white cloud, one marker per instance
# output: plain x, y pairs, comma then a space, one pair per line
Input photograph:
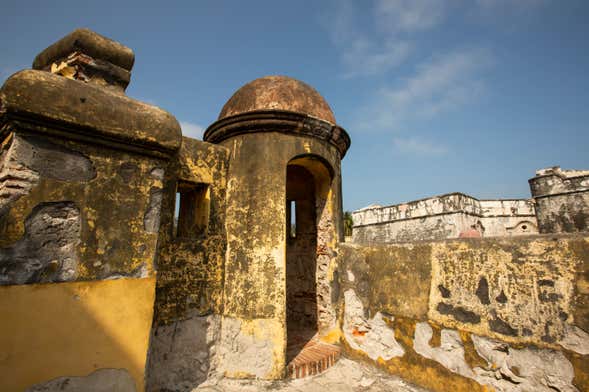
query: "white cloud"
373, 51
444, 83
365, 58
363, 52
339, 23
417, 146
395, 27
192, 130
409, 15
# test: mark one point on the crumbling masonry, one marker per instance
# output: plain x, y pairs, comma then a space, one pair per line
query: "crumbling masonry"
133, 258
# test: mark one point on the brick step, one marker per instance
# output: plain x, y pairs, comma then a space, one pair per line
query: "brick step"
315, 357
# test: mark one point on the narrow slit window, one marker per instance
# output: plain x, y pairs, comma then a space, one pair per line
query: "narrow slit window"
292, 219
191, 218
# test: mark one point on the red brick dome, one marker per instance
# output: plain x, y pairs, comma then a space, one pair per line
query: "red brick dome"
278, 93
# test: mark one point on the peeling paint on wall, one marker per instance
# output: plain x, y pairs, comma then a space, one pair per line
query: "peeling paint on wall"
182, 354
373, 336
102, 380
48, 250
499, 312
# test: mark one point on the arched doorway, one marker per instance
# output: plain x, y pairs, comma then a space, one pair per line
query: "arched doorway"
308, 181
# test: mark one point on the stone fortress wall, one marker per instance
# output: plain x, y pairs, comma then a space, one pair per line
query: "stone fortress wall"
502, 314
481, 300
562, 199
442, 217
559, 203
103, 288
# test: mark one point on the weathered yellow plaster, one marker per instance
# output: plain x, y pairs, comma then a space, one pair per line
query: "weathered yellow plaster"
516, 268
72, 329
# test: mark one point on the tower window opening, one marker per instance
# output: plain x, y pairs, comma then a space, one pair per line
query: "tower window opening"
191, 216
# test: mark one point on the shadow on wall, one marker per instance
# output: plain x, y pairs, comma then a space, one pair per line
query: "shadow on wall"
89, 336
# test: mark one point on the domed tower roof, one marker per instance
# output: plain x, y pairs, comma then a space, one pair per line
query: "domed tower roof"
278, 93
278, 104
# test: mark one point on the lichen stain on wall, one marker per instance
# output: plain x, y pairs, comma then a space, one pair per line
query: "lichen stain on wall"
516, 290
112, 239
413, 367
72, 329
253, 348
404, 276
461, 345
190, 270
580, 251
254, 284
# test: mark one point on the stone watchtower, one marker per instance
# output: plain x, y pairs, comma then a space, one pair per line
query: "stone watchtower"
284, 218
82, 167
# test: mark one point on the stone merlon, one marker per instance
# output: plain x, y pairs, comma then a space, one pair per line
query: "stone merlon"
88, 111
555, 181
89, 43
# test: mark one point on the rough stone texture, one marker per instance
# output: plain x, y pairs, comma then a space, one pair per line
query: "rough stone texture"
48, 250
450, 352
87, 56
507, 369
95, 113
246, 350
527, 369
255, 264
102, 380
536, 275
373, 336
50, 160
16, 179
23, 159
575, 339
90, 43
562, 200
182, 353
88, 183
419, 369
566, 213
77, 163
581, 290
66, 140
345, 376
278, 93
497, 364
112, 240
395, 280
151, 219
190, 270
443, 217
523, 298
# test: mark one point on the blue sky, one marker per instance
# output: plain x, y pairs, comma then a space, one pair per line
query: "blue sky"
438, 96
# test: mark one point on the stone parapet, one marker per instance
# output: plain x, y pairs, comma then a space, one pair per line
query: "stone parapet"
442, 217
506, 314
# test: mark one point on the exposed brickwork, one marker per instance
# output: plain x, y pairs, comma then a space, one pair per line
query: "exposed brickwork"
314, 358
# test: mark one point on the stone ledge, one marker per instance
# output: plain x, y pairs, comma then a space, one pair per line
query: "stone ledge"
278, 121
